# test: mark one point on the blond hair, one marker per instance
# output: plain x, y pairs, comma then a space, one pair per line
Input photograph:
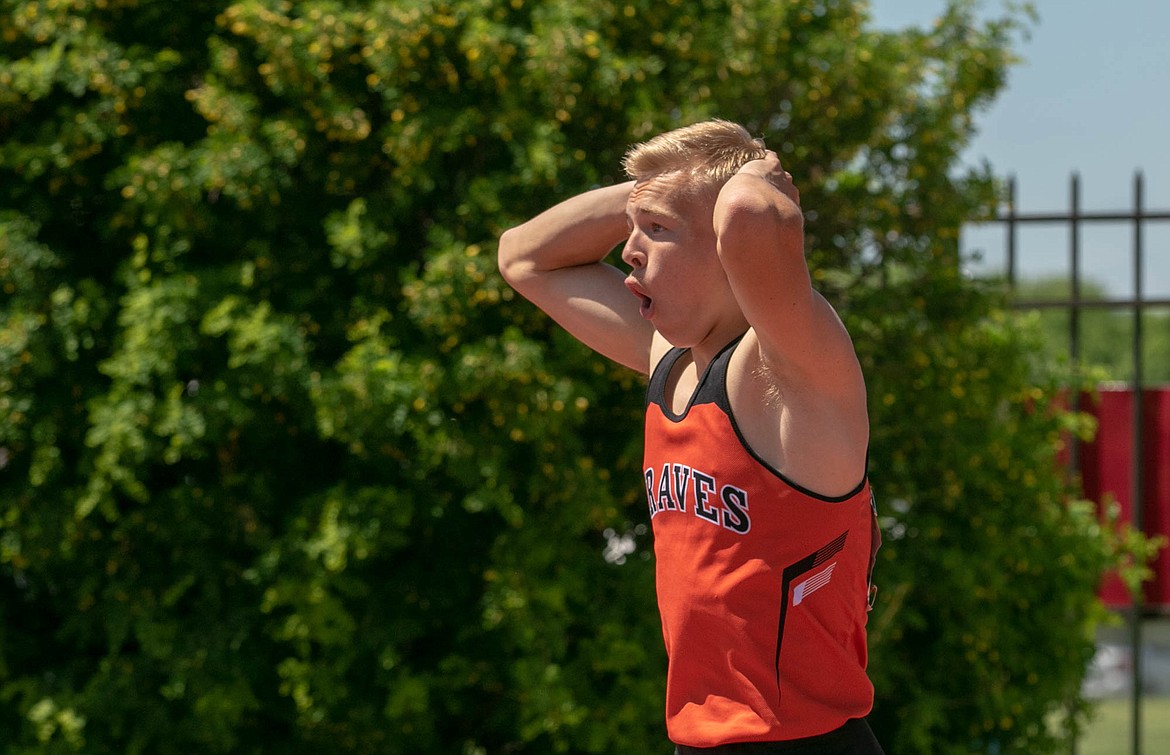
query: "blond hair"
703, 155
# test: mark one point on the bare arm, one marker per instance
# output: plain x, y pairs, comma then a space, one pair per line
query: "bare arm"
817, 432
760, 230
555, 261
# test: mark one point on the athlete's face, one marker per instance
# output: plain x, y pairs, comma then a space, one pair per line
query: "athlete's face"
675, 268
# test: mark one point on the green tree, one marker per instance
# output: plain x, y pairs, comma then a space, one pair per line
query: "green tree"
284, 466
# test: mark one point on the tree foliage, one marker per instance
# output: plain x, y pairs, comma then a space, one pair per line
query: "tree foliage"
284, 466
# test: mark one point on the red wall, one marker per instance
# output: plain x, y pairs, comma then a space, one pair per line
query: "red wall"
1106, 469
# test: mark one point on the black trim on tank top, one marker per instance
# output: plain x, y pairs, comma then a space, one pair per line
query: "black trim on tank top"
706, 391
712, 389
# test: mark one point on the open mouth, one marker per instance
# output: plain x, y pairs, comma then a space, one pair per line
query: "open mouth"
647, 308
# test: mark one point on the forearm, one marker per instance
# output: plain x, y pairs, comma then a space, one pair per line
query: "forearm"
754, 199
759, 226
579, 231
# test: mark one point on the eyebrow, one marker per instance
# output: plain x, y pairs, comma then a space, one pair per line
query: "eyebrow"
650, 209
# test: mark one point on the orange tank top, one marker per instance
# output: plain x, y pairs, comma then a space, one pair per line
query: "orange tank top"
763, 586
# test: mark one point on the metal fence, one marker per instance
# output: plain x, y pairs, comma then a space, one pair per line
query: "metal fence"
1075, 219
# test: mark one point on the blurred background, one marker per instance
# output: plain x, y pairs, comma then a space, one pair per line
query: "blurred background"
1076, 129
286, 467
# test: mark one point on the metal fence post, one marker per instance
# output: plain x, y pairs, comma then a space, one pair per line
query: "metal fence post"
1137, 469
1010, 223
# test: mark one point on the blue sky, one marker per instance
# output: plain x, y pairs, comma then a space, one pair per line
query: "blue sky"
1092, 97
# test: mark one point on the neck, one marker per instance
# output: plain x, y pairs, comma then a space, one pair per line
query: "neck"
710, 346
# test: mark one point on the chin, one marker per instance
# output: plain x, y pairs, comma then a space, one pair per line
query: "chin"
679, 340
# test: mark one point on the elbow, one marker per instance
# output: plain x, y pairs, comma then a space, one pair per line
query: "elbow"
508, 257
514, 258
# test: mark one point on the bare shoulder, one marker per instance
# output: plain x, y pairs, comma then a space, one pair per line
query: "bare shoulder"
659, 347
814, 430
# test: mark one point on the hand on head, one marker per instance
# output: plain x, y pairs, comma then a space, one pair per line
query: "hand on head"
770, 169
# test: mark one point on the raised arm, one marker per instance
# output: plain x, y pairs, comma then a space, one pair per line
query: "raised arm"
760, 229
815, 427
555, 261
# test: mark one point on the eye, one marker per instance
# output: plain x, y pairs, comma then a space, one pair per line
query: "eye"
656, 228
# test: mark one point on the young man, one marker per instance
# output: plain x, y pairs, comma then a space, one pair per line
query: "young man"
756, 433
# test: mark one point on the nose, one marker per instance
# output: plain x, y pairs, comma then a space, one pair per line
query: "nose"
632, 253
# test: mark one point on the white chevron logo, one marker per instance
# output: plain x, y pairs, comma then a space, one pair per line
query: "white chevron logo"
812, 584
